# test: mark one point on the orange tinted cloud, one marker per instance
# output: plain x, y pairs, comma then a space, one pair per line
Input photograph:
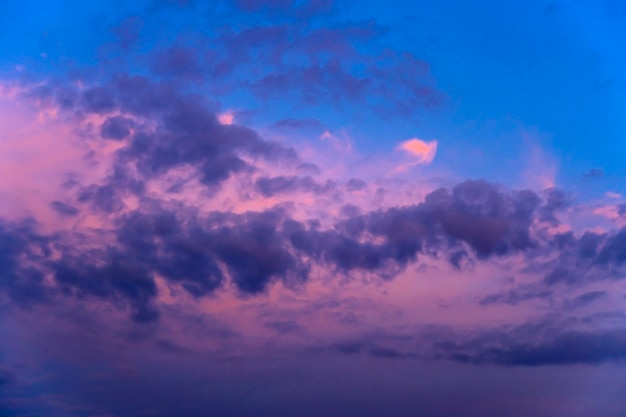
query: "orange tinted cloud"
227, 118
424, 152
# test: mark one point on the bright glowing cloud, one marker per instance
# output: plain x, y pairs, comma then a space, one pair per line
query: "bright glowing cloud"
421, 151
227, 118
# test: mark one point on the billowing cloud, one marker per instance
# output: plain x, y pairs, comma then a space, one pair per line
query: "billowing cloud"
163, 254
149, 240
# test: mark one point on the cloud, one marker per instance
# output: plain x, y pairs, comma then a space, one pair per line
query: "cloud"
119, 276
594, 173
293, 124
547, 341
488, 220
177, 62
284, 327
256, 5
295, 62
183, 237
518, 295
7, 376
116, 128
21, 250
179, 240
227, 118
542, 343
584, 299
160, 130
564, 263
64, 209
355, 184
269, 187
202, 252
422, 152
250, 247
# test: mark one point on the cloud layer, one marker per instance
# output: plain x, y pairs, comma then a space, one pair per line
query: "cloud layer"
211, 213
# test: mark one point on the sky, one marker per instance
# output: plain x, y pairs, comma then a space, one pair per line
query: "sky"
312, 207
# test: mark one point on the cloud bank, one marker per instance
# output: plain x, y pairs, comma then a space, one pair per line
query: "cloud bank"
198, 210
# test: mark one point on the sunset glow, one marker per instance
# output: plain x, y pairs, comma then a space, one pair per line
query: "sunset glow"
312, 208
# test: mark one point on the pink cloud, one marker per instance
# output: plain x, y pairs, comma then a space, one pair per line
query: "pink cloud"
422, 152
227, 118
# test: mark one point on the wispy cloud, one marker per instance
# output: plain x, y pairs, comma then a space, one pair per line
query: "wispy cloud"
420, 152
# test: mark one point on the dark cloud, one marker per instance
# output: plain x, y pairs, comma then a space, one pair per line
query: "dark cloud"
163, 127
270, 186
257, 5
177, 62
458, 259
169, 6
486, 218
337, 250
21, 250
589, 244
7, 376
128, 31
295, 124
110, 275
188, 134
55, 93
545, 342
614, 249
170, 347
315, 7
555, 200
371, 349
590, 258
116, 128
176, 130
315, 84
190, 262
250, 246
517, 295
197, 254
98, 100
309, 168
292, 60
284, 326
349, 211
574, 262
585, 299
594, 173
118, 277
356, 184
297, 50
475, 219
286, 9
489, 219
64, 209
257, 252
104, 198
538, 344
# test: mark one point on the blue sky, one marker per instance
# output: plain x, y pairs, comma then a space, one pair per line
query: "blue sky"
502, 68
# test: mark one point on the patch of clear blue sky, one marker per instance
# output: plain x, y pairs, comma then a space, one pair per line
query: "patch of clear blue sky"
555, 68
